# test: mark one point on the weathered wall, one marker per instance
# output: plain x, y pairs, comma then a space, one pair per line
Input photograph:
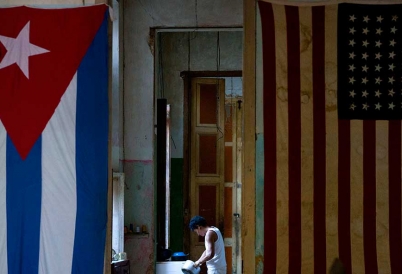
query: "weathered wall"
139, 17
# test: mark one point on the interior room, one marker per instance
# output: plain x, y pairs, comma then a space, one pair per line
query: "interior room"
231, 110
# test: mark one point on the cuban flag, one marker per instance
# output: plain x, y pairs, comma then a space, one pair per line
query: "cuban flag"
53, 139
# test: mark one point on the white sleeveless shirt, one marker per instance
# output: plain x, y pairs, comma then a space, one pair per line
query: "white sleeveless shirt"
218, 262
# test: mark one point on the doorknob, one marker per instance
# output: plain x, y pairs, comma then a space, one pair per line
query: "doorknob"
237, 215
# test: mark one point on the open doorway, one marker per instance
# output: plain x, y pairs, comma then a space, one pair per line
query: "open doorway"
181, 56
213, 162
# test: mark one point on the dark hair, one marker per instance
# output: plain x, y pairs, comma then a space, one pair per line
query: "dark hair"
197, 221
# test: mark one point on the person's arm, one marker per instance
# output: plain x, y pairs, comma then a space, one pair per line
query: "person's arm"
209, 252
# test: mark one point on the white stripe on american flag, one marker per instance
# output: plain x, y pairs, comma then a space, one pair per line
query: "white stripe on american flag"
383, 252
3, 200
356, 196
59, 198
331, 123
307, 142
282, 142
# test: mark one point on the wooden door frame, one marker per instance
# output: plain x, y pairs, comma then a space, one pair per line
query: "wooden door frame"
187, 76
249, 95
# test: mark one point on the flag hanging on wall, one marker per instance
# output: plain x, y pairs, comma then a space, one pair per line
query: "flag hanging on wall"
332, 137
53, 139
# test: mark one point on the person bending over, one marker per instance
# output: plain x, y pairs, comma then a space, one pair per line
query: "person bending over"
214, 254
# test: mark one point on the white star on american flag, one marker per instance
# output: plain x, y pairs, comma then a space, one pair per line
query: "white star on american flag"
391, 80
394, 18
365, 93
393, 29
378, 43
377, 93
351, 80
378, 31
352, 106
378, 80
352, 55
365, 68
366, 31
352, 30
352, 43
391, 106
351, 67
392, 42
378, 56
377, 106
392, 55
364, 80
391, 92
365, 106
366, 19
365, 43
352, 18
391, 67
352, 93
365, 55
378, 67
379, 18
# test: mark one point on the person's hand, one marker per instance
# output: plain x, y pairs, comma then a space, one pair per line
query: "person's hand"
197, 264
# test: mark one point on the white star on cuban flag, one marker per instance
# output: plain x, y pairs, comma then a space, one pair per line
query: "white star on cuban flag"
19, 50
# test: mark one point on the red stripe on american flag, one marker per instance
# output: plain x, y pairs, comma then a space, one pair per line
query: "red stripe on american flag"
394, 162
344, 241
369, 197
269, 102
320, 251
294, 121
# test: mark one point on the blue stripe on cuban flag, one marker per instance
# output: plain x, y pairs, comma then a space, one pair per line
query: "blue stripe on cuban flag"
53, 204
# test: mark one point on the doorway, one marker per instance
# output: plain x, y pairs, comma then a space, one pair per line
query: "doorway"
202, 53
213, 138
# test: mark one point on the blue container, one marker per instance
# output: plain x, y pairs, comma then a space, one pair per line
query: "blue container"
179, 256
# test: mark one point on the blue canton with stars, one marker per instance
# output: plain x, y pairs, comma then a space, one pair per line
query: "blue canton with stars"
370, 62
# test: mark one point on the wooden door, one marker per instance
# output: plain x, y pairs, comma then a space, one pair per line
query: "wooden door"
207, 156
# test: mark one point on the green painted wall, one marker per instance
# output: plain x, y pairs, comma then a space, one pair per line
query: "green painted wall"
176, 205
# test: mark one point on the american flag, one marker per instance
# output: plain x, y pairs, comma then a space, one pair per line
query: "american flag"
332, 175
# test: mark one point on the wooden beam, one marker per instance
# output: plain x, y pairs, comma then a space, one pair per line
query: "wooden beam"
249, 89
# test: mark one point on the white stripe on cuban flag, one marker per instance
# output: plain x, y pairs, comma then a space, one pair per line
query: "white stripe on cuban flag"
59, 197
53, 204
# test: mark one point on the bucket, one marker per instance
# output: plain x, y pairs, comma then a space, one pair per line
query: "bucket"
188, 268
